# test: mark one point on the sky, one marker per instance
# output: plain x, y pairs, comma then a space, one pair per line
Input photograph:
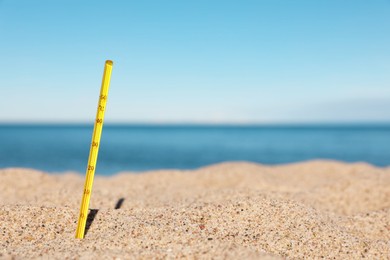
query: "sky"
202, 61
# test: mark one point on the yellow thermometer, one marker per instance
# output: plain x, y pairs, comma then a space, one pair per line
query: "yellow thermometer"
93, 152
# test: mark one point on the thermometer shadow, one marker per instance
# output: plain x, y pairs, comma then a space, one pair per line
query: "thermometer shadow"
119, 203
91, 217
93, 212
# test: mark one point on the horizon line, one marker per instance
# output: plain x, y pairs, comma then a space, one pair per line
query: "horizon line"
189, 123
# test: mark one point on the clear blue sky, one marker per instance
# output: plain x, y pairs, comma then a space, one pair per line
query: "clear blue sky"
196, 61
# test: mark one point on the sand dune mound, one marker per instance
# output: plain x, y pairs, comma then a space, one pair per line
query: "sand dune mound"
231, 210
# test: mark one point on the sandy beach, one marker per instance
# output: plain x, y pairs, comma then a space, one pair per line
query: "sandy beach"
317, 209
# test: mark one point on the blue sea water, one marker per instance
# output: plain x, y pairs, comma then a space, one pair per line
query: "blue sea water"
59, 148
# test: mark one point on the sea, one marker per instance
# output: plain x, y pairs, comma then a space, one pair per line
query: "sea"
58, 148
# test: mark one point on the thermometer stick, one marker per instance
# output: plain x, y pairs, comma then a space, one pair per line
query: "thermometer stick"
93, 152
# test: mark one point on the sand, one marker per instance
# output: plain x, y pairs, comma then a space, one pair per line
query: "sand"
318, 209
